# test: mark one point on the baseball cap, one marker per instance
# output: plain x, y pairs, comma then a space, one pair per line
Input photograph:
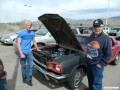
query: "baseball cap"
98, 23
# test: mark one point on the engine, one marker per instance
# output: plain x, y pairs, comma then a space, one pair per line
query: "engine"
53, 54
60, 52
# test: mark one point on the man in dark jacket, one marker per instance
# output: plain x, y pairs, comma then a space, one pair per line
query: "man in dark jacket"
99, 57
3, 74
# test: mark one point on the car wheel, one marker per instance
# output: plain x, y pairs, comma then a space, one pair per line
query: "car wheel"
75, 79
116, 60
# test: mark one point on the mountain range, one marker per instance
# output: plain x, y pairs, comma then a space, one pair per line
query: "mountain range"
111, 21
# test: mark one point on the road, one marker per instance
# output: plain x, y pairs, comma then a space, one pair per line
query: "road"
111, 79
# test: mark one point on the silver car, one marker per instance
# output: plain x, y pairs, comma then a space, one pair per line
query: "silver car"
9, 38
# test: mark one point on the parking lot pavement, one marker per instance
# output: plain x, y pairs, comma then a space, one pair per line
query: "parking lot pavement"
14, 78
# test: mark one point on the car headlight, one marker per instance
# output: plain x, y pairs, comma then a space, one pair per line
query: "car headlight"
57, 68
54, 66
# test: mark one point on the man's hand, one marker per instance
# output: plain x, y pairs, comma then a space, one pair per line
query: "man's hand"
22, 55
38, 50
88, 56
98, 65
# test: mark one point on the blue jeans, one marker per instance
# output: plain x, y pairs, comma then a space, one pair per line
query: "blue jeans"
27, 66
95, 76
3, 84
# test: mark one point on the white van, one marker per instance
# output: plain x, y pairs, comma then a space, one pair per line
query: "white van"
107, 30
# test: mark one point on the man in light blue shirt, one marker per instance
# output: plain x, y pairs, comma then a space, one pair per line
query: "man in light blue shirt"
25, 37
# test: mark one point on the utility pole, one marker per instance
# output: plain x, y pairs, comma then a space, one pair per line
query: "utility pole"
107, 13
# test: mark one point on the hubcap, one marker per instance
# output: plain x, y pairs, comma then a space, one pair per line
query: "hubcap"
117, 59
77, 79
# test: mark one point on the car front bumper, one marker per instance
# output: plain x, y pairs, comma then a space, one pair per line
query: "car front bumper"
6, 41
49, 74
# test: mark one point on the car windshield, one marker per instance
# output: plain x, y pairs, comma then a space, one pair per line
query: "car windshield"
74, 31
83, 40
42, 31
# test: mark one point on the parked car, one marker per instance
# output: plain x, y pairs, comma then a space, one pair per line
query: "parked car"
112, 33
106, 30
87, 31
66, 60
116, 28
118, 34
76, 30
43, 37
9, 38
60, 69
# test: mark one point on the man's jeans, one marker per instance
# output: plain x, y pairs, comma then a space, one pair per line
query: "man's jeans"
95, 76
3, 84
27, 66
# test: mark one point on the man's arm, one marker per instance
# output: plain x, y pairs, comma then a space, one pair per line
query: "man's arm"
19, 48
107, 50
35, 44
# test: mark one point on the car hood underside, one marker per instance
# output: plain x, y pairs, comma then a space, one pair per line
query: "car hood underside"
60, 30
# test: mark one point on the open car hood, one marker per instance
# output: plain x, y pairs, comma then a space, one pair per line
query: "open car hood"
60, 30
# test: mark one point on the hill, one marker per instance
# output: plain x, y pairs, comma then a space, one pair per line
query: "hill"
15, 26
111, 21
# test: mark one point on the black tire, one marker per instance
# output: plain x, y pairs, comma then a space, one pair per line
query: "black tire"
116, 60
75, 79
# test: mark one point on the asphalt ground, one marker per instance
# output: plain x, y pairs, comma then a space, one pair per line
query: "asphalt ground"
111, 79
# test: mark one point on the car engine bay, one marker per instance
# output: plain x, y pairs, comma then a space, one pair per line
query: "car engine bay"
52, 53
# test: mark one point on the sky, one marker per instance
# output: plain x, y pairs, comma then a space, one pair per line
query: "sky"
18, 10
